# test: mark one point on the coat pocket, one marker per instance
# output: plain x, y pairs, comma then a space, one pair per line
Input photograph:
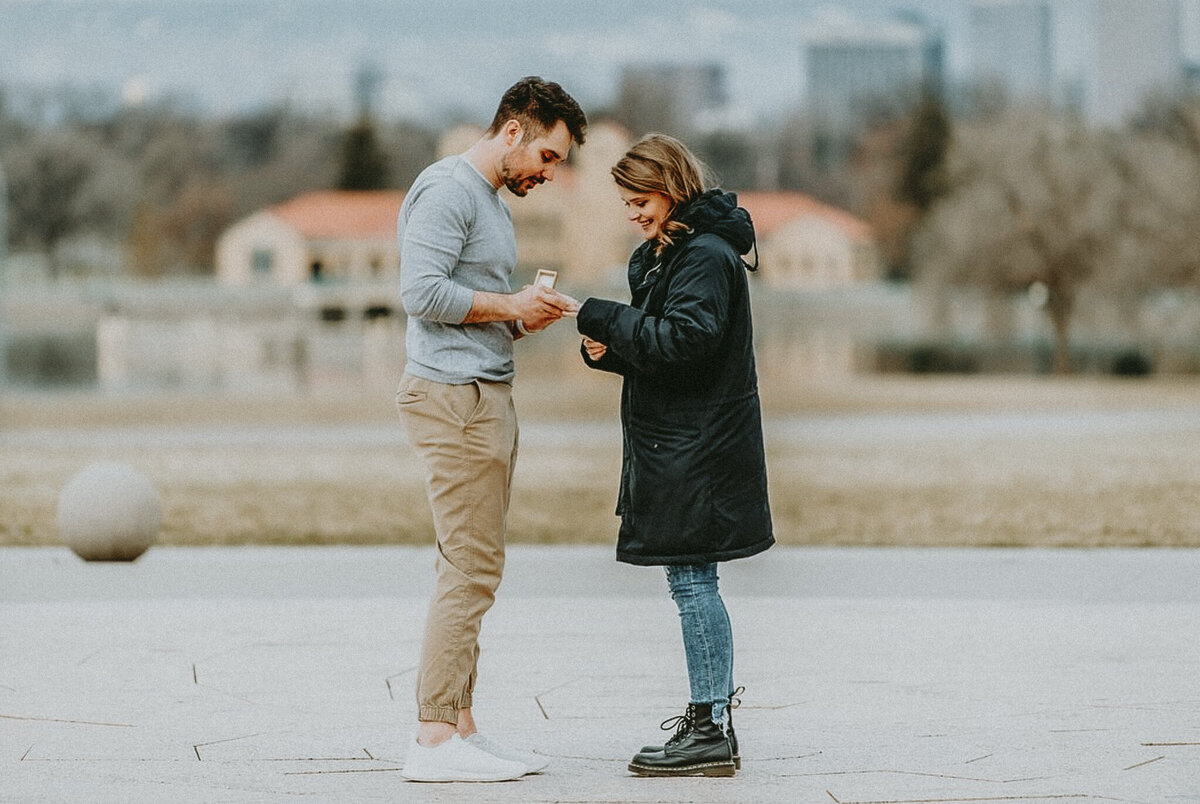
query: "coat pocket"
669, 485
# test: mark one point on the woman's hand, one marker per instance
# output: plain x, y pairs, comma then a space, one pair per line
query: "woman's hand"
595, 350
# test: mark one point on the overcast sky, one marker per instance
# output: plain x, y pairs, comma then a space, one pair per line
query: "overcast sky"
438, 55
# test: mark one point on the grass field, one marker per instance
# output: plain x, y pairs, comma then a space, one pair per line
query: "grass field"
879, 461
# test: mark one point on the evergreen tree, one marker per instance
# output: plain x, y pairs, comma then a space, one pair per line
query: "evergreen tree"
923, 154
364, 164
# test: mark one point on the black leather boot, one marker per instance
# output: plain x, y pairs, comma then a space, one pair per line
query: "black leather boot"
699, 748
671, 723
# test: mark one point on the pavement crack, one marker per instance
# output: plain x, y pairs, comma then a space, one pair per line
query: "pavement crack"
388, 681
198, 746
972, 800
1143, 764
68, 720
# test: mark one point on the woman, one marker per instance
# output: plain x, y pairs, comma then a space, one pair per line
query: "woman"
693, 478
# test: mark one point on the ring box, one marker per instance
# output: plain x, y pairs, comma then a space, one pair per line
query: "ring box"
546, 278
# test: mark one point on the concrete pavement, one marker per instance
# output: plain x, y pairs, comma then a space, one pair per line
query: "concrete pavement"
872, 675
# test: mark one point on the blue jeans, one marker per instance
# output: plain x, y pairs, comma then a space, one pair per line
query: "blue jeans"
707, 635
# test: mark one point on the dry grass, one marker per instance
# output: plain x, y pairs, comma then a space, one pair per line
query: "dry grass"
955, 485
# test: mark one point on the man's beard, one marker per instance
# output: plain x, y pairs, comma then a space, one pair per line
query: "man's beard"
518, 186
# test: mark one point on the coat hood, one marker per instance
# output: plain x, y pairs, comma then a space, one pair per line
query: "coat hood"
717, 212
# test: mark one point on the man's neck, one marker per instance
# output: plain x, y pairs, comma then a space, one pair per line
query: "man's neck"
485, 155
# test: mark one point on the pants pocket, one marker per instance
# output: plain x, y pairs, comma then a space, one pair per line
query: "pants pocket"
465, 401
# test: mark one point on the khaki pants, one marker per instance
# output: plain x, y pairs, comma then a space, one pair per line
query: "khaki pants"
467, 437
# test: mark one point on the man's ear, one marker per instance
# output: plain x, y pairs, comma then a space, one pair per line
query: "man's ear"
512, 132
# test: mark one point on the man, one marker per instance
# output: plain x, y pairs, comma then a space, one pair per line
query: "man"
457, 251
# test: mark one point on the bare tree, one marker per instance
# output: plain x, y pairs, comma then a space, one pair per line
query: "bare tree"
1036, 201
1166, 167
47, 179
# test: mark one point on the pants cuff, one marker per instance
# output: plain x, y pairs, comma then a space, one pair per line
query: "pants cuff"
438, 714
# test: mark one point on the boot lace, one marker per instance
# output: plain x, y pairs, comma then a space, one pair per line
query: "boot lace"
683, 725
734, 700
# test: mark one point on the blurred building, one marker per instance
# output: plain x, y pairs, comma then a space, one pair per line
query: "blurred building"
3, 276
328, 238
1012, 45
853, 68
804, 244
670, 98
321, 236
1134, 50
3, 221
307, 295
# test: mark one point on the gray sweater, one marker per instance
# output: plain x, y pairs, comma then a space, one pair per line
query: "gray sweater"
456, 237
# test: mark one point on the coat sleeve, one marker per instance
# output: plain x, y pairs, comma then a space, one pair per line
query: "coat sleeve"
609, 362
690, 326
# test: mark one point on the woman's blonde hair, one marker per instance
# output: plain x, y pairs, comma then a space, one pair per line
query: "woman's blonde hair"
658, 163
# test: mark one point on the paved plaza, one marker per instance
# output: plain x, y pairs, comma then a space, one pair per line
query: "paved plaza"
872, 675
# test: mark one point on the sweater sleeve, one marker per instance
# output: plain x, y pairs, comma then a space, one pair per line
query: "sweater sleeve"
434, 230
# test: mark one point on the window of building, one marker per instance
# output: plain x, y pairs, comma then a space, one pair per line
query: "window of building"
333, 315
262, 262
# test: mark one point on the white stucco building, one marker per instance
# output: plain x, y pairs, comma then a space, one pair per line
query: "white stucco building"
325, 236
804, 244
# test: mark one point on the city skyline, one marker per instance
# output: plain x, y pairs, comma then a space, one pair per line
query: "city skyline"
452, 61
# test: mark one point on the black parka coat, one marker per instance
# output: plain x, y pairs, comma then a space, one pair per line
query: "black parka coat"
693, 474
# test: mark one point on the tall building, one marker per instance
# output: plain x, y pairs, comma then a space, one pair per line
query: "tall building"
1012, 44
1134, 50
853, 68
3, 275
1189, 25
669, 97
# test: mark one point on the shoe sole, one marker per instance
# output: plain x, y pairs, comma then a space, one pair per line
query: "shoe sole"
651, 749
443, 778
451, 780
702, 769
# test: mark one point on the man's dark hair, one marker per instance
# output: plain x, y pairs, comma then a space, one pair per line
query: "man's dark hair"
538, 105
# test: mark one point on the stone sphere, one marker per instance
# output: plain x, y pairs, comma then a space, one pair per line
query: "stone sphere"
109, 512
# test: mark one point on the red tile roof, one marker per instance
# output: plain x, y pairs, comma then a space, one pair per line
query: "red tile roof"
341, 214
346, 214
772, 210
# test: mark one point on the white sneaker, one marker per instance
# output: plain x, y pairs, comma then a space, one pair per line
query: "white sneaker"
532, 762
456, 760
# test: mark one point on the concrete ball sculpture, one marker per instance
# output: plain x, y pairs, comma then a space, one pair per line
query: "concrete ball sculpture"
109, 512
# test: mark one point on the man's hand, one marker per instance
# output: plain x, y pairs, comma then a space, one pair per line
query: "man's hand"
538, 306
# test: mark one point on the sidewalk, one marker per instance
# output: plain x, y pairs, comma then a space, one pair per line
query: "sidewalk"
871, 675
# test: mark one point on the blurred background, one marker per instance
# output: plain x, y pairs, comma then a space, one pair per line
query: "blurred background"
199, 203
938, 186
